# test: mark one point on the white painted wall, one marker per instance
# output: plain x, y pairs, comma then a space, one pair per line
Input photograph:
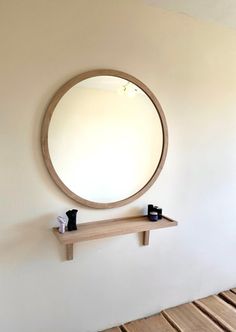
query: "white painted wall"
191, 67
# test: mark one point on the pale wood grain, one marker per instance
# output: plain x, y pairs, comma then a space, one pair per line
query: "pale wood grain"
146, 236
112, 227
69, 252
188, 318
155, 323
233, 290
220, 311
108, 228
230, 297
46, 123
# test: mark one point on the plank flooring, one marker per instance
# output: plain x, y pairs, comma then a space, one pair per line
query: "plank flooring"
187, 317
151, 324
219, 310
215, 313
229, 297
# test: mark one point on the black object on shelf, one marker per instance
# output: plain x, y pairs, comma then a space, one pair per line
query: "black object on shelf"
71, 214
154, 212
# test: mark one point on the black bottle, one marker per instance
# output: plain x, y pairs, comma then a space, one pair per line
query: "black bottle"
71, 214
154, 212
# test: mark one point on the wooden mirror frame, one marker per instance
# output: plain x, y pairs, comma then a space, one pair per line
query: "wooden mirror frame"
45, 127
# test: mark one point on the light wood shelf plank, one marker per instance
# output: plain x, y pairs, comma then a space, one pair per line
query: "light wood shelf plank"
109, 228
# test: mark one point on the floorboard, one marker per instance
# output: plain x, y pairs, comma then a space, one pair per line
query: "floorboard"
229, 297
188, 318
219, 310
155, 323
215, 313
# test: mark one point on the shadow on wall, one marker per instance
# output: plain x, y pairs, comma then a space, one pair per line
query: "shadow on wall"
34, 240
28, 241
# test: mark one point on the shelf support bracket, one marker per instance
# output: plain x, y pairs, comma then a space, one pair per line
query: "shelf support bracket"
69, 251
146, 238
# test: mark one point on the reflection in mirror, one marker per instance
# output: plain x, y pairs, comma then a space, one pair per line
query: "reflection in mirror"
105, 140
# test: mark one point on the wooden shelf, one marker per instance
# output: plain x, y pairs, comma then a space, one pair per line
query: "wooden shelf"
108, 228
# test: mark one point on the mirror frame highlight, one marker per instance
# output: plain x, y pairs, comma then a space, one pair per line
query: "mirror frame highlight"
45, 129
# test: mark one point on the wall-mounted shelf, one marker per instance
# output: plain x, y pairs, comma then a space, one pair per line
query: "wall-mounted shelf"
108, 228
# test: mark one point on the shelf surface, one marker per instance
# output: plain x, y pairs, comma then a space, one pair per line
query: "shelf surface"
112, 227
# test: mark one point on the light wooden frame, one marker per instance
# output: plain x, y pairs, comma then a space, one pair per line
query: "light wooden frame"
45, 127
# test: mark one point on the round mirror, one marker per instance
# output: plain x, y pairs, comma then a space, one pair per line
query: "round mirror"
104, 138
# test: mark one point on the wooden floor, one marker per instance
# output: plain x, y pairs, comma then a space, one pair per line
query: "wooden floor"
213, 313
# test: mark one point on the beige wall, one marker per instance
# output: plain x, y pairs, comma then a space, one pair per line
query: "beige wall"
191, 67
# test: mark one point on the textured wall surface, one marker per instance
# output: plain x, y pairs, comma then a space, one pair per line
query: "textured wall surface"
191, 67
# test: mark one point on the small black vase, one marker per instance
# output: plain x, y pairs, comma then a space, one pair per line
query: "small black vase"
71, 214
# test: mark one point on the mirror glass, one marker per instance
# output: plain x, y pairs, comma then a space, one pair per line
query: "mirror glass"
105, 139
